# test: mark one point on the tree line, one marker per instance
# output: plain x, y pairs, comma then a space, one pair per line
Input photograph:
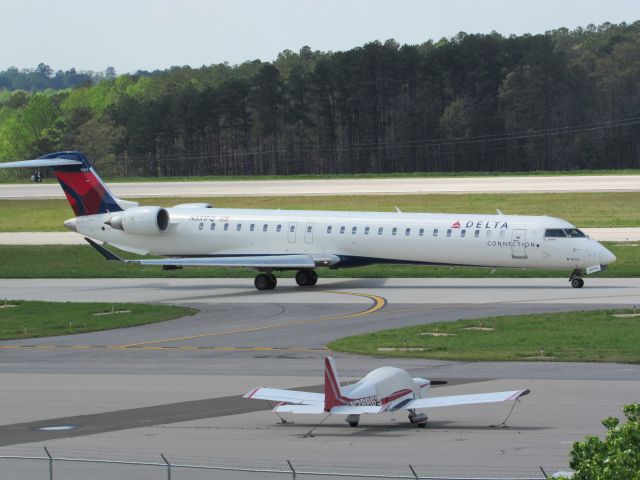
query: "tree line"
564, 100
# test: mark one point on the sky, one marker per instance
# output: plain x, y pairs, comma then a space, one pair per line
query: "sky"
135, 35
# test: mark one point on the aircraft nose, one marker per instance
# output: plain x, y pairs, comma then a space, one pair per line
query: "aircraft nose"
606, 257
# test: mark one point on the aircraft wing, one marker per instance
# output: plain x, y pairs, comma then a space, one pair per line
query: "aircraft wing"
289, 396
247, 261
464, 399
250, 261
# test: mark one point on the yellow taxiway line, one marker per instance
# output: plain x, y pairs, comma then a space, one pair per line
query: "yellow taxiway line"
378, 304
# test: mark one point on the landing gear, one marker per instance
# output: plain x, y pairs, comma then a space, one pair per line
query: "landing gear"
576, 279
265, 281
418, 419
306, 278
353, 420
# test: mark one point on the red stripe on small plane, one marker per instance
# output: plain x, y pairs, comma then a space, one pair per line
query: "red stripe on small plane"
253, 392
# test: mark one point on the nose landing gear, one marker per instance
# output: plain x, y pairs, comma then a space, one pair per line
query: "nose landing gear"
576, 279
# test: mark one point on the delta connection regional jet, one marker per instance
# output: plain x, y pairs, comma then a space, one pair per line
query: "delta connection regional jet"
196, 234
384, 390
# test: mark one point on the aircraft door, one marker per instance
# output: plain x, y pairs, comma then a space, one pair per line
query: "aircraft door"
518, 244
308, 233
291, 232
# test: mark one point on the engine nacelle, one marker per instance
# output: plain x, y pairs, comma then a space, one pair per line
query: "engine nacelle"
141, 220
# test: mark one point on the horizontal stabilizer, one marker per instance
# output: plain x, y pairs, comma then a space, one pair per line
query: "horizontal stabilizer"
454, 400
41, 163
288, 396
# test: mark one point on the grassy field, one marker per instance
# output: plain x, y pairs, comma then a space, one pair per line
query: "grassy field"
22, 319
79, 261
595, 336
16, 177
582, 209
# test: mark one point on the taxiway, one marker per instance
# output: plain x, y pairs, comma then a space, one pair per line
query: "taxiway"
174, 386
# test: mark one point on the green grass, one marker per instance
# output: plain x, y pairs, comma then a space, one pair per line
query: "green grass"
593, 336
79, 261
582, 209
44, 319
17, 177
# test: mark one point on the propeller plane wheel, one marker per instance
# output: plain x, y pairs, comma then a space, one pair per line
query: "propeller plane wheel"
306, 278
353, 420
265, 281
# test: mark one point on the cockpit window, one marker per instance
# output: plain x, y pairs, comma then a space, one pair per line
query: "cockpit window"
574, 232
554, 233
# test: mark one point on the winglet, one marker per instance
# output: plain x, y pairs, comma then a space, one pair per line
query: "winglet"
332, 392
522, 393
112, 257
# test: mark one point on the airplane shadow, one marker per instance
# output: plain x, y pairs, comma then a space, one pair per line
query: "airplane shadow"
398, 429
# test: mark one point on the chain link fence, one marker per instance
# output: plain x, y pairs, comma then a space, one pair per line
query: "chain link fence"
57, 467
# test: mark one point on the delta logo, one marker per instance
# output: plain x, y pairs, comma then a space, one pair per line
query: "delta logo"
456, 224
480, 224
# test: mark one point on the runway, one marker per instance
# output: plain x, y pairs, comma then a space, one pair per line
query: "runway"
173, 386
362, 186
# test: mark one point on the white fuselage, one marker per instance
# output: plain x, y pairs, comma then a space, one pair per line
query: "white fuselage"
359, 238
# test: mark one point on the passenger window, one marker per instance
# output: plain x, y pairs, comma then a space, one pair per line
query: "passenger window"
463, 232
292, 228
213, 226
366, 230
380, 230
354, 230
435, 232
226, 227
421, 232
448, 232
239, 227
201, 226
476, 233
329, 228
342, 228
279, 228
309, 229
252, 227
394, 231
265, 227
407, 232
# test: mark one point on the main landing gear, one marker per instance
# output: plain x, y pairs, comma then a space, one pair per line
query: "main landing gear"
306, 278
265, 281
268, 281
576, 279
418, 419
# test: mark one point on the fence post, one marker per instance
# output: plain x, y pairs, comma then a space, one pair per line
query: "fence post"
293, 470
50, 463
168, 466
414, 472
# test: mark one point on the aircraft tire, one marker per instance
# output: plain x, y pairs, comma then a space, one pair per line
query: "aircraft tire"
263, 282
304, 278
577, 282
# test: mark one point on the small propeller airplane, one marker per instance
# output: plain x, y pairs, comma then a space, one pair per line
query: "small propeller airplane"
383, 390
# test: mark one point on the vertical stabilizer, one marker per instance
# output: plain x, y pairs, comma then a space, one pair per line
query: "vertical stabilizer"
332, 392
86, 192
